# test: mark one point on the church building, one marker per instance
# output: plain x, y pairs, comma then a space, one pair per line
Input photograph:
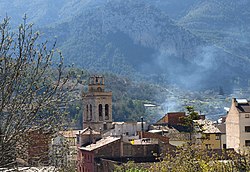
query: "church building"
97, 105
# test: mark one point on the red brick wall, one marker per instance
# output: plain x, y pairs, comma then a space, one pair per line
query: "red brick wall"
172, 118
38, 147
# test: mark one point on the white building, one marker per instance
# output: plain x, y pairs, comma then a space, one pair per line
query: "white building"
128, 130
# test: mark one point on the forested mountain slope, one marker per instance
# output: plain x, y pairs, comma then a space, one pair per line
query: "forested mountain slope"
134, 37
195, 44
223, 23
152, 50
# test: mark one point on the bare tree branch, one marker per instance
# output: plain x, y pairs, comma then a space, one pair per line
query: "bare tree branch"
32, 88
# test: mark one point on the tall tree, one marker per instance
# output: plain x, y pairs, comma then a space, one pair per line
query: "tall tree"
188, 120
33, 89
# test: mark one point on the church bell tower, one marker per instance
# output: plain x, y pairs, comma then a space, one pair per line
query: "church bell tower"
97, 105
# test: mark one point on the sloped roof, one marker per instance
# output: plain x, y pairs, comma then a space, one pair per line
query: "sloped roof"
221, 127
245, 108
88, 131
164, 128
242, 101
156, 131
242, 105
208, 126
100, 143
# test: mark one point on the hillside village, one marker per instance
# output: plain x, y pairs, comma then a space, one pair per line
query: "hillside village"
104, 144
173, 94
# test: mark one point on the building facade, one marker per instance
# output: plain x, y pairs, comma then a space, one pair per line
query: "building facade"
97, 105
90, 157
238, 125
222, 128
207, 134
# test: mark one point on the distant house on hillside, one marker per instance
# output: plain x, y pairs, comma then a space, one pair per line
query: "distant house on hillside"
238, 125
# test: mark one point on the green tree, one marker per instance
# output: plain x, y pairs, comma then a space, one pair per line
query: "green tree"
188, 120
194, 159
33, 89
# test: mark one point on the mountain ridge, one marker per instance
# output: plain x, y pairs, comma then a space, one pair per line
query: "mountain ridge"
140, 37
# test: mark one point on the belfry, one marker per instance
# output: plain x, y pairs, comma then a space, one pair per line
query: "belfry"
97, 105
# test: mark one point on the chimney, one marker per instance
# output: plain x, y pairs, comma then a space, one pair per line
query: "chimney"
142, 127
234, 101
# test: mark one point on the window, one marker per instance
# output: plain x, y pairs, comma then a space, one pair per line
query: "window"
247, 128
208, 136
105, 126
106, 111
100, 112
247, 142
247, 116
217, 136
87, 112
78, 139
99, 89
90, 110
224, 146
208, 146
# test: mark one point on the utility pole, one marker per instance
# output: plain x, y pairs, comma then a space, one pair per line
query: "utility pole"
142, 128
